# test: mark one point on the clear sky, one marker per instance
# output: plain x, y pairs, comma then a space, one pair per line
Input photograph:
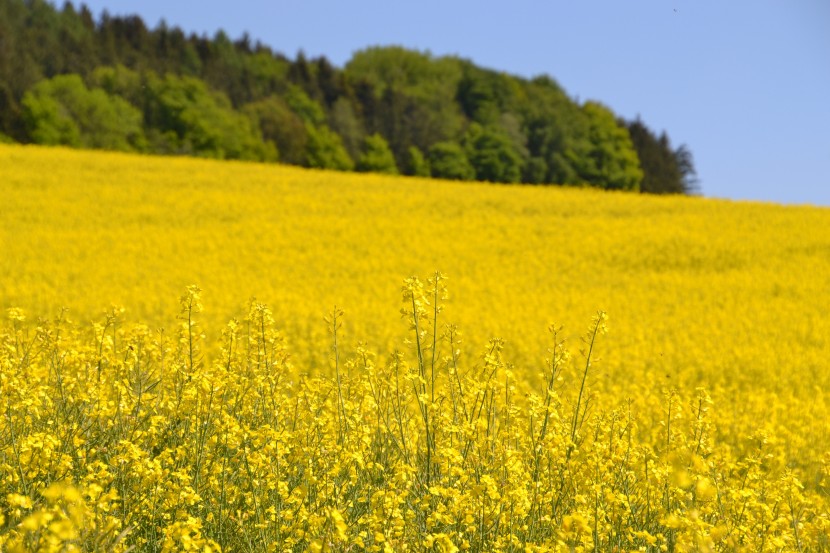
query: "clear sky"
744, 83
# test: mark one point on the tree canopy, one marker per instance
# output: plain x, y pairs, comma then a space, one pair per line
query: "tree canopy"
376, 156
114, 83
666, 170
63, 111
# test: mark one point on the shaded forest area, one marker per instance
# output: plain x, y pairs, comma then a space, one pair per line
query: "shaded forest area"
113, 83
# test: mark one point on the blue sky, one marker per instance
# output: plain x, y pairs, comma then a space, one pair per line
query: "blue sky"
744, 83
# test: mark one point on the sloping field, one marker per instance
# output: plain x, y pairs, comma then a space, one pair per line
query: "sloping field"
699, 292
731, 297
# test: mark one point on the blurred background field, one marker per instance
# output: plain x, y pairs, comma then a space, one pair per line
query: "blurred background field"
731, 296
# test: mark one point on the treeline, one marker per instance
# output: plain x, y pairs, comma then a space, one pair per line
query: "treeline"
113, 83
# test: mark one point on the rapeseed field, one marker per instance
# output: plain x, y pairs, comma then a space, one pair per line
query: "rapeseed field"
207, 356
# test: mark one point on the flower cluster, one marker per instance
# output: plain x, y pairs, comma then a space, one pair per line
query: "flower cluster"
124, 438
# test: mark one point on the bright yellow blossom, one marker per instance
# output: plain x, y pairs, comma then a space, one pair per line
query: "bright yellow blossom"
695, 423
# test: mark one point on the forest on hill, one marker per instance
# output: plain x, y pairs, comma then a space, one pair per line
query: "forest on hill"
67, 78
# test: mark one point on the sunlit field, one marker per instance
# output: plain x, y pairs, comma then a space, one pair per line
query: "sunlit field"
620, 372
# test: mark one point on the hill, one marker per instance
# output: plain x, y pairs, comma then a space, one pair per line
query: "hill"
113, 83
697, 420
